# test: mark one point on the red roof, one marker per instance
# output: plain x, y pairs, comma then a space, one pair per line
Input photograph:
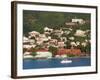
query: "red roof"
42, 50
68, 51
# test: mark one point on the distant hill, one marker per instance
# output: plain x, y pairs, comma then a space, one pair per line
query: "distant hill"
37, 20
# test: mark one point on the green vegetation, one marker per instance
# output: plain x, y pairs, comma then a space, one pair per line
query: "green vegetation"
33, 54
53, 50
71, 55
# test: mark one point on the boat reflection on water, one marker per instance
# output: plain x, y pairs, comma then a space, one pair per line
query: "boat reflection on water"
66, 61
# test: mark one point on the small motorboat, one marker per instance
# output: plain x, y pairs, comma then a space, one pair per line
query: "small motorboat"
66, 61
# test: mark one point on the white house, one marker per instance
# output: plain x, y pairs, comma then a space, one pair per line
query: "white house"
39, 42
73, 43
67, 32
71, 24
25, 39
84, 44
58, 32
33, 33
27, 55
80, 21
80, 33
27, 46
77, 43
53, 40
61, 44
44, 54
63, 39
32, 41
71, 38
48, 29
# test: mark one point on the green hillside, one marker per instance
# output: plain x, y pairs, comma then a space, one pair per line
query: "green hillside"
37, 20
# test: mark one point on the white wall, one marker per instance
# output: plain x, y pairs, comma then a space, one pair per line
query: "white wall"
5, 44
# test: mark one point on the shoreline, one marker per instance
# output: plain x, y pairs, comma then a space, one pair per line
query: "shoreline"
57, 58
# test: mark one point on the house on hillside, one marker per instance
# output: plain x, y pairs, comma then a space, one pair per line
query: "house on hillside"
53, 42
43, 37
33, 34
79, 21
58, 32
25, 40
46, 29
61, 44
75, 22
71, 24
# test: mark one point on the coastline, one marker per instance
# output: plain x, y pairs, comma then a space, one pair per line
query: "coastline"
57, 58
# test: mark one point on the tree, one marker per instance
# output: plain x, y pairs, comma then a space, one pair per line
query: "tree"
33, 51
53, 50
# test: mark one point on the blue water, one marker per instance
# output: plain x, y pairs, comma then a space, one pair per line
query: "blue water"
55, 63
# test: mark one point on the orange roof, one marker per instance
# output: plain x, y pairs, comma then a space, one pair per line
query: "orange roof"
42, 50
68, 51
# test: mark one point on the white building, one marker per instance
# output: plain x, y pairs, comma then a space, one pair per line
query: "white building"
25, 39
32, 41
27, 46
61, 44
33, 33
80, 21
80, 33
44, 54
48, 29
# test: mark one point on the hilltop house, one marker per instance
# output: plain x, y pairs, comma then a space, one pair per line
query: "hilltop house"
46, 29
75, 22
71, 24
80, 21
